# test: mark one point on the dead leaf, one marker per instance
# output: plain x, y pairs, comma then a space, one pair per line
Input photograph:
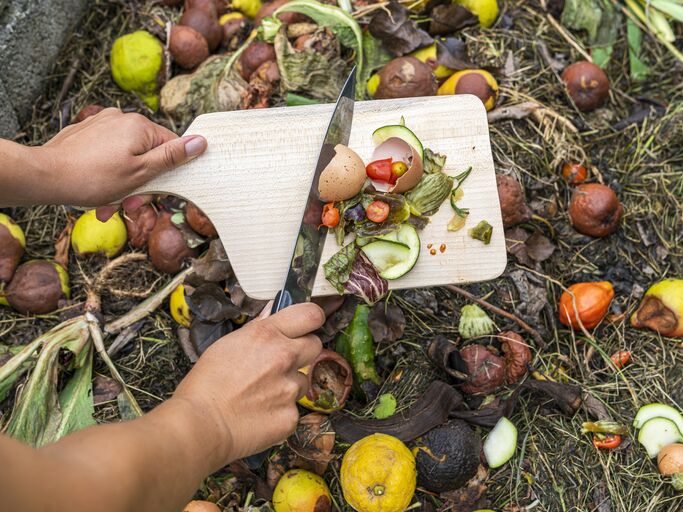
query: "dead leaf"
452, 53
312, 443
247, 305
469, 497
243, 474
397, 31
339, 320
518, 111
387, 322
209, 303
213, 265
539, 247
446, 19
105, 389
63, 243
205, 334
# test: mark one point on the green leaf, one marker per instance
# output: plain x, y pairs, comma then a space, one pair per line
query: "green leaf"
386, 406
22, 360
601, 22
638, 69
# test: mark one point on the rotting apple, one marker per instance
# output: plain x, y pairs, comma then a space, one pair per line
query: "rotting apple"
595, 210
37, 287
661, 309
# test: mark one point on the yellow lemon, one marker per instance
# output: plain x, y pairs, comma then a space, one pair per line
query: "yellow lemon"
301, 491
485, 10
90, 236
136, 63
378, 474
247, 7
180, 311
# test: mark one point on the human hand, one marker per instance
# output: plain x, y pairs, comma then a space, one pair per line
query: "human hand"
106, 156
245, 386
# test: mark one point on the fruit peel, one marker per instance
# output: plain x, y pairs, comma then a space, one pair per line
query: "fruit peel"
136, 65
180, 310
661, 309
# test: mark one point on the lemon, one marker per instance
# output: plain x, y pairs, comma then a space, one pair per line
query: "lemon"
136, 62
485, 10
90, 236
301, 491
180, 311
378, 474
249, 8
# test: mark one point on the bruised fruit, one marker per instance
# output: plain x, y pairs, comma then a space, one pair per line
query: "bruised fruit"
269, 8
595, 210
136, 65
235, 26
211, 7
587, 85
330, 378
167, 247
592, 302
88, 111
428, 55
574, 173
485, 370
188, 47
139, 224
405, 77
201, 506
254, 56
91, 236
513, 205
198, 221
478, 82
12, 245
447, 456
485, 10
661, 309
299, 490
37, 287
180, 310
204, 23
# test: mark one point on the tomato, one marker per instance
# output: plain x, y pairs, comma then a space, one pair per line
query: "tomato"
378, 211
621, 358
606, 441
330, 215
379, 170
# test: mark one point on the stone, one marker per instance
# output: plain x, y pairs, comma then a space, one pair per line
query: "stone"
31, 34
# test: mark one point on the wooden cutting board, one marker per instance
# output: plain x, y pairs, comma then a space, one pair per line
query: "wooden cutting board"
253, 180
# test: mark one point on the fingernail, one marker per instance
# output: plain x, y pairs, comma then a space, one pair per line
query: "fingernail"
132, 203
195, 145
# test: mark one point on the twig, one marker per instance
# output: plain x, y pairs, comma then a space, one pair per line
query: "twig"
68, 82
518, 111
128, 257
498, 311
124, 337
569, 38
146, 307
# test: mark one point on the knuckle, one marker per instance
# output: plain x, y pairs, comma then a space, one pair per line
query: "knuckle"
312, 314
170, 158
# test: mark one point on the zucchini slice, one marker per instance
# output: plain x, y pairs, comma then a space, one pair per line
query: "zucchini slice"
501, 443
657, 410
395, 253
400, 132
657, 433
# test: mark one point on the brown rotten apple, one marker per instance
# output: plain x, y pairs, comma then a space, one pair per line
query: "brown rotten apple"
139, 225
204, 23
513, 205
405, 77
12, 244
198, 221
188, 47
587, 85
485, 370
167, 247
595, 210
254, 56
37, 287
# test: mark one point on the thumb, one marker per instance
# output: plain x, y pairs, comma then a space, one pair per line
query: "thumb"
173, 153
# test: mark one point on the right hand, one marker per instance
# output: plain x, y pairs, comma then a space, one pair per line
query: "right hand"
248, 382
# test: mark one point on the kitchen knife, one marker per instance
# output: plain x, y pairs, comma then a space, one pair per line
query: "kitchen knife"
310, 240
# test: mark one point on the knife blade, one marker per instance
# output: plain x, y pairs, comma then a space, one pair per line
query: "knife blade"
310, 239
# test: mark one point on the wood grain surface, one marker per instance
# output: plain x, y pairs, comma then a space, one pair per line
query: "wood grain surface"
253, 180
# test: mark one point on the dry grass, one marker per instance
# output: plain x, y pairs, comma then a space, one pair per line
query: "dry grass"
556, 468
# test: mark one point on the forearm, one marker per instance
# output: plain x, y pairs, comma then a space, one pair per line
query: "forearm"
25, 176
154, 463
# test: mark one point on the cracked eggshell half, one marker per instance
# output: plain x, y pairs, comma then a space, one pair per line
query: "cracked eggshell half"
343, 177
399, 151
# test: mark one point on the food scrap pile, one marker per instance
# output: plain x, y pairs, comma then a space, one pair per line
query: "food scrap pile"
557, 386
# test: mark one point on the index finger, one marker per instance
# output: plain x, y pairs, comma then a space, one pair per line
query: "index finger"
298, 320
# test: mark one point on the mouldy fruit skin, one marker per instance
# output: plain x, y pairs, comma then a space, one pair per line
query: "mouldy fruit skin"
447, 457
198, 221
90, 236
37, 287
88, 111
254, 56
592, 302
139, 225
180, 311
595, 210
517, 355
478, 82
188, 47
204, 23
12, 245
136, 65
485, 370
166, 246
587, 85
405, 77
299, 490
512, 203
485, 10
662, 309
201, 506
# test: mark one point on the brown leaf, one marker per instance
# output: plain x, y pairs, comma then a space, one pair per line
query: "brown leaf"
469, 497
243, 474
62, 245
248, 306
518, 111
213, 265
312, 443
386, 322
539, 247
209, 303
105, 389
397, 31
446, 19
205, 334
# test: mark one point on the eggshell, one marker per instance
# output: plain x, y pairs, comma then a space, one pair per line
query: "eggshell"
400, 151
343, 177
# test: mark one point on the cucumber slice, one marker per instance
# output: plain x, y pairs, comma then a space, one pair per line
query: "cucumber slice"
400, 132
657, 433
395, 253
657, 410
501, 443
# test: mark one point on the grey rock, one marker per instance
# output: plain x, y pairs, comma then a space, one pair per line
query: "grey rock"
9, 125
31, 34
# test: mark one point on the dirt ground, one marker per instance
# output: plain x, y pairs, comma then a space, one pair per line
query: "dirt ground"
556, 467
